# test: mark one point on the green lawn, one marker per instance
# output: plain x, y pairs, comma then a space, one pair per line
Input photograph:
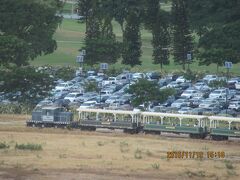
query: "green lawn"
70, 38
67, 8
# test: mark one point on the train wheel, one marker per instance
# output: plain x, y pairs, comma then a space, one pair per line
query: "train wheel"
219, 138
195, 136
92, 129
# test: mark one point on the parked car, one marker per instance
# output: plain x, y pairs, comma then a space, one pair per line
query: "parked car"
164, 81
209, 78
179, 103
195, 101
153, 75
211, 110
201, 86
88, 104
189, 93
61, 103
184, 110
237, 85
87, 96
73, 96
173, 84
234, 105
136, 76
64, 86
44, 103
112, 99
219, 93
181, 79
231, 83
169, 101
111, 80
196, 111
208, 103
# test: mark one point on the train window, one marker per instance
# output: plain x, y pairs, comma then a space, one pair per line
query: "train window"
49, 113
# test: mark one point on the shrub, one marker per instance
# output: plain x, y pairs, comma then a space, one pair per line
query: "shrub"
65, 73
229, 165
100, 143
3, 145
155, 166
124, 147
15, 108
138, 154
149, 153
29, 146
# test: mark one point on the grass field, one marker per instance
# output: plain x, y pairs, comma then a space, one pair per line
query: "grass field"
70, 38
94, 155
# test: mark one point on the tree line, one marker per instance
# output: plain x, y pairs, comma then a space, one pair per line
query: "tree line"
208, 30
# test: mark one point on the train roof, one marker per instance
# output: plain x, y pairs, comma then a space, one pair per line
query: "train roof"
51, 108
108, 111
145, 113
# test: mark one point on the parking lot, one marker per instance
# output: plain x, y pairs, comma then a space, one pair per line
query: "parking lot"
197, 97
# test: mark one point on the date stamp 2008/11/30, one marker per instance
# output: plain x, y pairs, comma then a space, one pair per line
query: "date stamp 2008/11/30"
195, 154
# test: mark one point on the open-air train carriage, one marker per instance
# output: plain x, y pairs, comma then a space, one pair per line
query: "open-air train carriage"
194, 125
90, 119
223, 127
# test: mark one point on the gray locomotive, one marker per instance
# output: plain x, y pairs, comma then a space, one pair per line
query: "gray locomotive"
51, 117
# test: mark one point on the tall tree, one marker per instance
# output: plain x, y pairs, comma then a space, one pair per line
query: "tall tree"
182, 37
25, 81
161, 40
217, 23
27, 28
85, 9
132, 40
100, 41
120, 11
145, 91
157, 21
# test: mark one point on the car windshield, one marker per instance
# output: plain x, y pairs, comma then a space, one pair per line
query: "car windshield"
62, 85
180, 100
217, 92
87, 104
189, 92
71, 95
208, 102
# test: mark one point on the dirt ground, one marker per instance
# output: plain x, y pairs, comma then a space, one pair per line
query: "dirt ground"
73, 155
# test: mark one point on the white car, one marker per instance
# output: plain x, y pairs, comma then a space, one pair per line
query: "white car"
112, 99
184, 110
218, 93
201, 86
138, 76
88, 104
64, 86
111, 80
209, 78
173, 84
181, 79
179, 103
208, 103
234, 105
73, 96
190, 93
